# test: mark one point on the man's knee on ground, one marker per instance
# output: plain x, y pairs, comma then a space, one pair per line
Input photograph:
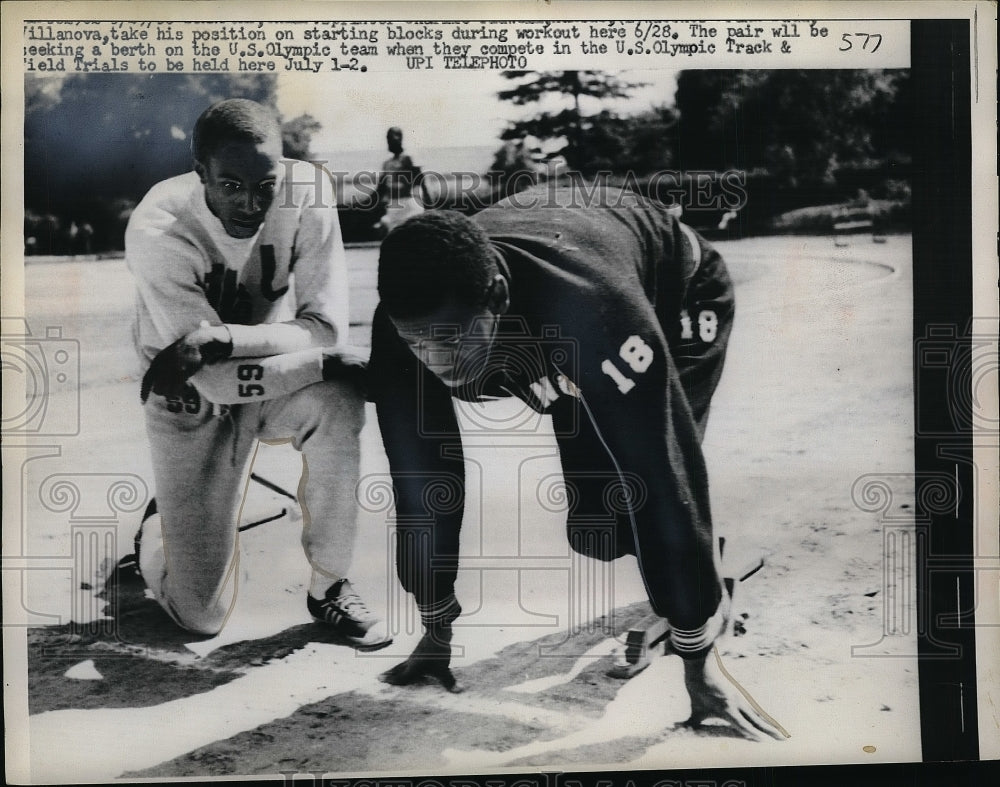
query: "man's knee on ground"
196, 616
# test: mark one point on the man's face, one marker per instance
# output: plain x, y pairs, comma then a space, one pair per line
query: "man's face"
394, 138
240, 180
453, 342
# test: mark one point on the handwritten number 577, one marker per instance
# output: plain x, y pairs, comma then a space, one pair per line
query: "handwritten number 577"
868, 42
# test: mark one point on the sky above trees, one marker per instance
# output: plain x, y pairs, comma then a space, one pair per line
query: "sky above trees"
453, 108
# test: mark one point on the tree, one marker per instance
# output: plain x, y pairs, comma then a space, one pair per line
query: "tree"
585, 146
103, 136
297, 135
94, 143
640, 144
514, 169
800, 127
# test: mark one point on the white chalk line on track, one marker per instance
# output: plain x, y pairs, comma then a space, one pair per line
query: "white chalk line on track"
102, 744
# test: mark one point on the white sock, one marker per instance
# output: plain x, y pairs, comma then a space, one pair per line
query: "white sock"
320, 583
152, 560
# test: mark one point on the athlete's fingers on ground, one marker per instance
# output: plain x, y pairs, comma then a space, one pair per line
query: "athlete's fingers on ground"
744, 730
750, 724
743, 711
400, 675
740, 721
444, 674
745, 725
762, 724
749, 715
414, 670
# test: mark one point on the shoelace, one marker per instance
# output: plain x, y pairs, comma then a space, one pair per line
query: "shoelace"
347, 602
351, 601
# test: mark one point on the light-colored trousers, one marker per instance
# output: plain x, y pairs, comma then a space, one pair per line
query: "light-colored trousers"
200, 460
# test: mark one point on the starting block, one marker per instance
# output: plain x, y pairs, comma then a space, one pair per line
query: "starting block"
640, 641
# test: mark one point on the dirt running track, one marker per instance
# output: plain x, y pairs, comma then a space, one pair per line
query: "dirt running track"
817, 393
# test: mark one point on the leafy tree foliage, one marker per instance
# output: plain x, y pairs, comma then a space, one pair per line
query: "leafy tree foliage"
588, 145
801, 127
640, 143
297, 136
102, 136
95, 143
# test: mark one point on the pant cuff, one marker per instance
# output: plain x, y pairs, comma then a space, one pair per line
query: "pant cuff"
693, 643
440, 613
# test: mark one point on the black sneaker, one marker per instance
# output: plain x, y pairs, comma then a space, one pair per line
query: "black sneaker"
128, 569
343, 609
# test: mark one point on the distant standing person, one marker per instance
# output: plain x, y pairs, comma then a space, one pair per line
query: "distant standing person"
238, 348
398, 181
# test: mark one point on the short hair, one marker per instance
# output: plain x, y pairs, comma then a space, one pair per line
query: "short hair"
233, 120
435, 258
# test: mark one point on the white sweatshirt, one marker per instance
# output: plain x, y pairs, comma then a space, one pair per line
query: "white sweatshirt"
283, 293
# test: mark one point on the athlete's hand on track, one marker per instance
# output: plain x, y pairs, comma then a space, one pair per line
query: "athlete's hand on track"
715, 694
174, 365
430, 659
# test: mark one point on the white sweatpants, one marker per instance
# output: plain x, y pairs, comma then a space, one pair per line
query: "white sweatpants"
200, 465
